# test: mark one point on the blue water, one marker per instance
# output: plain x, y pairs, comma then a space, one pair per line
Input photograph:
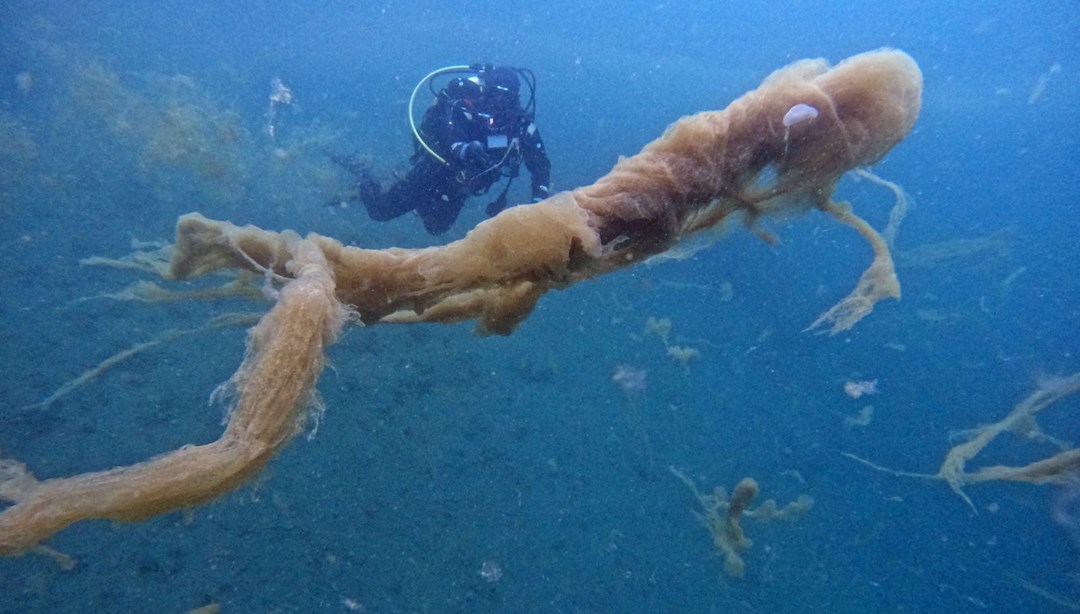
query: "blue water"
440, 450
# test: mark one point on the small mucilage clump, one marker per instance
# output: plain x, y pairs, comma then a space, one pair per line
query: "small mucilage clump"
722, 516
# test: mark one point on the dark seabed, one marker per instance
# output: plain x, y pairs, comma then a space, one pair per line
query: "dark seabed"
459, 473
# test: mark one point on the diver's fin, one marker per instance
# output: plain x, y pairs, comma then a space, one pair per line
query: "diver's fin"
354, 163
342, 200
497, 205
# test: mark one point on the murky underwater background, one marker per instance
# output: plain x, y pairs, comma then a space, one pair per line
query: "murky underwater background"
460, 473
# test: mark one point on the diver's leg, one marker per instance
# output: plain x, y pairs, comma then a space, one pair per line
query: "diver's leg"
440, 213
395, 202
406, 194
442, 199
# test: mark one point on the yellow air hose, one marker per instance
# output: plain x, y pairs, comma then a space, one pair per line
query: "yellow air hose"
412, 100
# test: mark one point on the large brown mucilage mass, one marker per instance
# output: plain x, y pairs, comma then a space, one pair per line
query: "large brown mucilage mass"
703, 171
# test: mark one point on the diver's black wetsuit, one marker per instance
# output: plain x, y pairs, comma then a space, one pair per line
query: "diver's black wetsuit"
478, 126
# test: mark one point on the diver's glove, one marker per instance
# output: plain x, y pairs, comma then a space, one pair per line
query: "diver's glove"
471, 152
539, 193
494, 207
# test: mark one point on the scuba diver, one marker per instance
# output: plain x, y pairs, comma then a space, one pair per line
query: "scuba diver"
475, 134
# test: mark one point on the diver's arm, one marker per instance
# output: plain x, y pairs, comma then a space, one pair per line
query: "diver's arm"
433, 129
536, 160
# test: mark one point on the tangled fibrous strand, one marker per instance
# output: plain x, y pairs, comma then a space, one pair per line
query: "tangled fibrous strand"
740, 163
